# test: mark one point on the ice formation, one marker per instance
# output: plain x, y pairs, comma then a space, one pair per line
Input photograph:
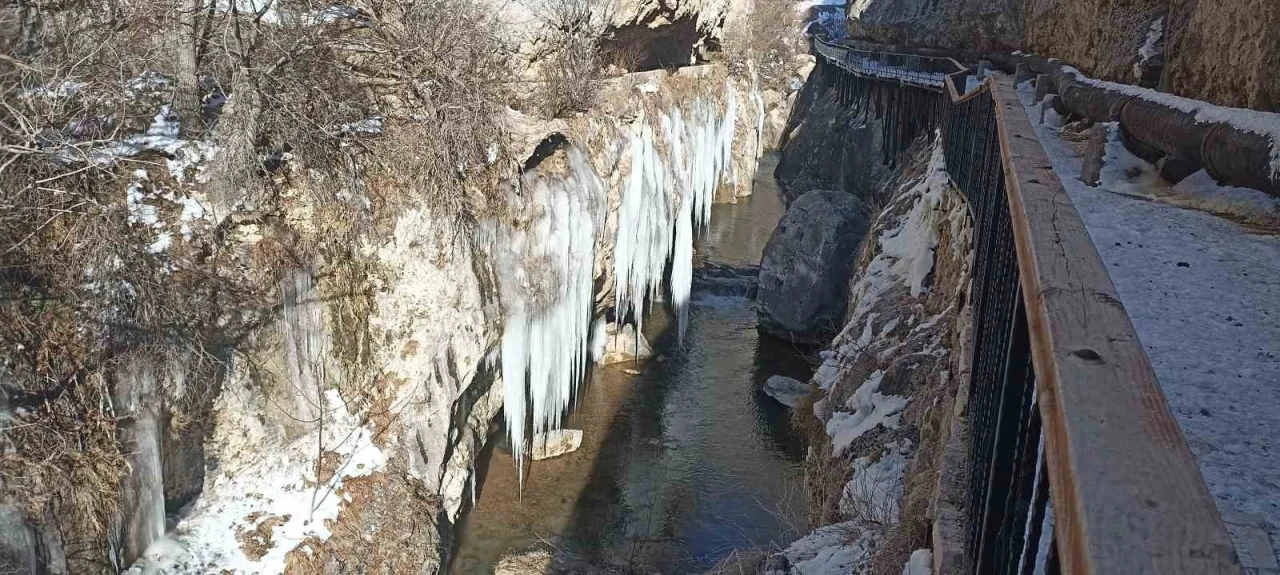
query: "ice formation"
546, 265
685, 171
546, 272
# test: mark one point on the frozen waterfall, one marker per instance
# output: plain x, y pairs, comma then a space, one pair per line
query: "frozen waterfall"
685, 172
546, 262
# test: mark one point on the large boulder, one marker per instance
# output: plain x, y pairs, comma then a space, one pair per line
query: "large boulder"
804, 275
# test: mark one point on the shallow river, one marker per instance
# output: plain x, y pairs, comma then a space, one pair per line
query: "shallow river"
679, 465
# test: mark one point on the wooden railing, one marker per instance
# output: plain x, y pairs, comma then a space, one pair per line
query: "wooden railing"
1077, 464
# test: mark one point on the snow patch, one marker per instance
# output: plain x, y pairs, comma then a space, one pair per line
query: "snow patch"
280, 486
836, 549
906, 251
920, 563
875, 487
864, 411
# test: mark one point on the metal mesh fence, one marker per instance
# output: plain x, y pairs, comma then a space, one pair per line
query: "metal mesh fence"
1009, 509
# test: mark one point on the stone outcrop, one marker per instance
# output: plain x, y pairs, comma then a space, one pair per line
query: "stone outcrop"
621, 345
805, 270
979, 25
829, 146
786, 390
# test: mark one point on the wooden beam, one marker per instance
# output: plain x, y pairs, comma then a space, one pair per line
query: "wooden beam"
1128, 497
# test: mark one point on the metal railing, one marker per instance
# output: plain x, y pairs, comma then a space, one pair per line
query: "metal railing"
927, 72
1075, 462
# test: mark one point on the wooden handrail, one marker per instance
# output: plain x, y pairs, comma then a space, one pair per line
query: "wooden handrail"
1128, 496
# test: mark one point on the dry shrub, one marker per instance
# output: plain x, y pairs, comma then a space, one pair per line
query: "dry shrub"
770, 38
572, 67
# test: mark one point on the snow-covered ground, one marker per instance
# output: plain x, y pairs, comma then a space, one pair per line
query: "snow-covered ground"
1204, 295
888, 323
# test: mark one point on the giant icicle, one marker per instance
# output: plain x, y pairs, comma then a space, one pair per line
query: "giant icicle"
699, 152
546, 287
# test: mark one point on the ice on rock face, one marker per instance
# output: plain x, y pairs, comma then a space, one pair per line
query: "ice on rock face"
545, 284
669, 197
546, 266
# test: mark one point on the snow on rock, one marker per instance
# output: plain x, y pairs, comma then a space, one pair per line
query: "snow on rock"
837, 549
786, 390
875, 487
921, 563
555, 443
865, 410
142, 201
279, 496
1124, 173
906, 251
181, 156
1148, 49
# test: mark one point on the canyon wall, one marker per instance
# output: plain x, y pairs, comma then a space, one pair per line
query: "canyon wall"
889, 394
380, 378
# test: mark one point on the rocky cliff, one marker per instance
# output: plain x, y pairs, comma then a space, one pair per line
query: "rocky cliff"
1222, 52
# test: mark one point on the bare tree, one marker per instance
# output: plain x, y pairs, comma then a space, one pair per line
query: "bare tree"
187, 96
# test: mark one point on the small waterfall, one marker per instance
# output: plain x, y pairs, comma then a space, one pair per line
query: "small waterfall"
137, 399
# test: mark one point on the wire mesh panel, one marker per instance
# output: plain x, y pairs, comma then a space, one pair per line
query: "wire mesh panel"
1006, 491
1010, 514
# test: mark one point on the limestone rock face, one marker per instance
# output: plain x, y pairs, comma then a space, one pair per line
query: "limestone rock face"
979, 25
1226, 52
804, 275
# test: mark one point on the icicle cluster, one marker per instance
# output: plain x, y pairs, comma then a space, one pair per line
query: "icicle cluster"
546, 286
698, 150
545, 265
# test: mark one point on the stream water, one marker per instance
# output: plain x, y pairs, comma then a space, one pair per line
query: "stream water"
680, 464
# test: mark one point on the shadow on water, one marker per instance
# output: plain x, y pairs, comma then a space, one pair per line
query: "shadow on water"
684, 458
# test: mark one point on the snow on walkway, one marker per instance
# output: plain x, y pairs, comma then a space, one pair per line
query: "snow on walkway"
1204, 296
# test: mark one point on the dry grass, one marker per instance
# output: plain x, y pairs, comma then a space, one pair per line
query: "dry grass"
387, 504
740, 562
